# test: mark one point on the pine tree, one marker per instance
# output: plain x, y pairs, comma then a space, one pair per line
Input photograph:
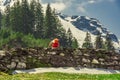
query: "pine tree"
87, 43
63, 38
26, 21
56, 23
6, 20
108, 43
0, 19
75, 43
32, 13
69, 38
15, 20
48, 22
51, 23
99, 42
39, 21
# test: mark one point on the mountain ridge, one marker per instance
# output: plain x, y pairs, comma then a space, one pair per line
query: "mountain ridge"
85, 25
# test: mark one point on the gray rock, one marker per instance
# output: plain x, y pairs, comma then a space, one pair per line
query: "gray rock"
2, 53
85, 60
62, 54
95, 61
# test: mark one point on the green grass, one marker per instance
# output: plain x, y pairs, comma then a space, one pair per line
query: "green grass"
59, 76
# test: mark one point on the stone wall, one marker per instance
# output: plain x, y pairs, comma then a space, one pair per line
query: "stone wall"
24, 58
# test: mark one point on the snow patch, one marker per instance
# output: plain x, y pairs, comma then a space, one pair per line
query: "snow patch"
99, 29
87, 17
91, 24
80, 70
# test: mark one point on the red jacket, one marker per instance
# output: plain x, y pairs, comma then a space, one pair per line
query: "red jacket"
55, 43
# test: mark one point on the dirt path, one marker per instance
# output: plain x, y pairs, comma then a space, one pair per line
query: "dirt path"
69, 70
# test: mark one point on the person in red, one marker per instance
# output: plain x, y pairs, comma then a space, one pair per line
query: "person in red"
54, 44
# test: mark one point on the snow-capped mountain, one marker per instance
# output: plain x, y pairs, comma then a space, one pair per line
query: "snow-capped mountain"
79, 25
91, 25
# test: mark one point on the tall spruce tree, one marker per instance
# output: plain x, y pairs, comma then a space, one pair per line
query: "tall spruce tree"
0, 19
6, 20
75, 43
87, 42
39, 21
56, 23
99, 42
51, 23
26, 18
32, 13
63, 38
48, 22
108, 43
69, 38
15, 19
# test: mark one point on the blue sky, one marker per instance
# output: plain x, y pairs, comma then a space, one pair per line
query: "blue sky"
106, 11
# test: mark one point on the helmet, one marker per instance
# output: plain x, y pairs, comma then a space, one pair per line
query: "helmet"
56, 39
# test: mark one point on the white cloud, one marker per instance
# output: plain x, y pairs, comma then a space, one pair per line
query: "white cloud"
82, 6
92, 1
81, 9
58, 6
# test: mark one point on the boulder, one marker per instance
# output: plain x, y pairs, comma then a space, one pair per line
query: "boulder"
2, 53
85, 60
95, 61
62, 54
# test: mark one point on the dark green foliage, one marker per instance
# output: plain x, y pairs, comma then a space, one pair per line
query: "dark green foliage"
62, 37
87, 43
4, 37
25, 16
108, 43
75, 43
16, 39
5, 33
99, 42
0, 19
32, 13
30, 41
39, 21
69, 38
6, 19
15, 17
56, 25
49, 20
51, 23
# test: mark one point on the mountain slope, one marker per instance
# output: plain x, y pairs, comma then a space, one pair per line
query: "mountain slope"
79, 25
78, 34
